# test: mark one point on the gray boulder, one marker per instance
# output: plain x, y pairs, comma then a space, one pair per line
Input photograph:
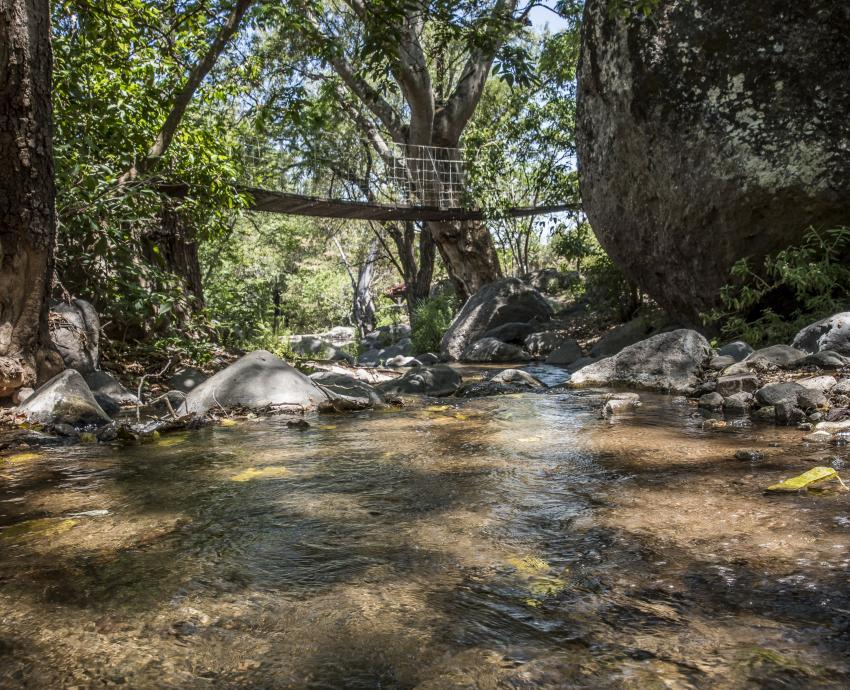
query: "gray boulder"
108, 392
540, 344
668, 362
737, 350
775, 393
826, 359
503, 301
427, 359
65, 399
255, 381
437, 381
831, 333
711, 401
738, 403
517, 377
719, 363
566, 353
346, 392
782, 356
824, 384
512, 332
699, 140
492, 350
75, 331
551, 280
186, 378
622, 336
400, 361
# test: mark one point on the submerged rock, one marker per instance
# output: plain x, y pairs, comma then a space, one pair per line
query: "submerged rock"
498, 303
437, 381
65, 399
618, 403
255, 381
668, 362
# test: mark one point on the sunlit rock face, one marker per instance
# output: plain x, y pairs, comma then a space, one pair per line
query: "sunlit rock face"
711, 131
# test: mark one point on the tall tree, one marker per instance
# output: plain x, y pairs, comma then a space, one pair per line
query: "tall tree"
27, 194
413, 74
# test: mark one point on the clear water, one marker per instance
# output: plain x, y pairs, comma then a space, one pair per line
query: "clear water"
512, 542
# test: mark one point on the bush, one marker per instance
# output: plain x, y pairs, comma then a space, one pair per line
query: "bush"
801, 284
431, 319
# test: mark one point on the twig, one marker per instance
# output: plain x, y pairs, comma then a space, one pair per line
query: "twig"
139, 390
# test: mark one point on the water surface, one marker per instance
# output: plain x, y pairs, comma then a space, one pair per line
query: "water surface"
513, 542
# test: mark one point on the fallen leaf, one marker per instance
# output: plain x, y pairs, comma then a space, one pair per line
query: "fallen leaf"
816, 474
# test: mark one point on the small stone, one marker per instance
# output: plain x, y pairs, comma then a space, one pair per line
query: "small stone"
781, 356
749, 455
714, 424
776, 393
788, 414
818, 437
738, 402
811, 399
299, 424
737, 350
720, 363
834, 427
805, 426
818, 383
815, 417
765, 414
737, 383
711, 401
63, 429
706, 387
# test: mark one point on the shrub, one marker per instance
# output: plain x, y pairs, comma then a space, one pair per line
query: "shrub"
798, 285
431, 319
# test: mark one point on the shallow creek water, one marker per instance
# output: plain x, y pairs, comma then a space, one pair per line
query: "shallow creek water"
517, 541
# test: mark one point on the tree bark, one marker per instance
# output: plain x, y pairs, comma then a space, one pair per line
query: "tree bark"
177, 252
27, 195
469, 254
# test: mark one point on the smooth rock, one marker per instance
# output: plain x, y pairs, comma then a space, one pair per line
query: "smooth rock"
737, 350
788, 414
566, 353
75, 331
728, 385
517, 377
782, 356
833, 427
620, 402
512, 332
738, 403
540, 344
255, 381
831, 333
21, 395
346, 392
503, 301
711, 401
437, 381
186, 378
824, 384
667, 361
492, 350
842, 387
818, 437
719, 363
826, 359
401, 361
775, 393
427, 359
65, 399
810, 399
108, 392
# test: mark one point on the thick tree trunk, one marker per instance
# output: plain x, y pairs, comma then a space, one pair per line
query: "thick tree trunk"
27, 195
468, 253
364, 306
178, 252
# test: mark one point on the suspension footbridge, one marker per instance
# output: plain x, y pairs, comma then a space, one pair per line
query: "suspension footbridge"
404, 183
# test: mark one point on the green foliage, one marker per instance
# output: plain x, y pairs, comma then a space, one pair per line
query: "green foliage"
431, 319
798, 285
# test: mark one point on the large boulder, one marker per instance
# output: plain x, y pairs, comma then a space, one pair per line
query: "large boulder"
492, 350
711, 131
503, 301
187, 378
437, 381
667, 362
832, 333
255, 381
64, 399
75, 331
622, 336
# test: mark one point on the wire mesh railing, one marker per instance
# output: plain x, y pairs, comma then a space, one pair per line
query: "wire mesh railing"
405, 175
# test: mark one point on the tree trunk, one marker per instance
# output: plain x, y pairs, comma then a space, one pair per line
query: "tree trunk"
364, 306
468, 253
178, 251
27, 195
420, 288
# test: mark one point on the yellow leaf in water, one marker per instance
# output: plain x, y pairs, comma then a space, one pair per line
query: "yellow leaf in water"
816, 474
438, 408
227, 422
528, 566
461, 416
547, 586
269, 472
88, 437
171, 440
22, 457
328, 427
34, 529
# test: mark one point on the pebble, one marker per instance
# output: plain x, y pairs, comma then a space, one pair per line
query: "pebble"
818, 437
749, 455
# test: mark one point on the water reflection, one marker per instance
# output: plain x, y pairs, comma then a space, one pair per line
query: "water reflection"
517, 541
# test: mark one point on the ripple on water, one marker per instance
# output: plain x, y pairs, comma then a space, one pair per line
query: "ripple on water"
520, 541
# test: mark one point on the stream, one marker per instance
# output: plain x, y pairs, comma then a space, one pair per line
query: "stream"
518, 541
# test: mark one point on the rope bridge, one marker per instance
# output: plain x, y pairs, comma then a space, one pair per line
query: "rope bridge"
407, 182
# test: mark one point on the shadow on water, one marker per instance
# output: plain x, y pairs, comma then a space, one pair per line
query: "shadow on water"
501, 542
